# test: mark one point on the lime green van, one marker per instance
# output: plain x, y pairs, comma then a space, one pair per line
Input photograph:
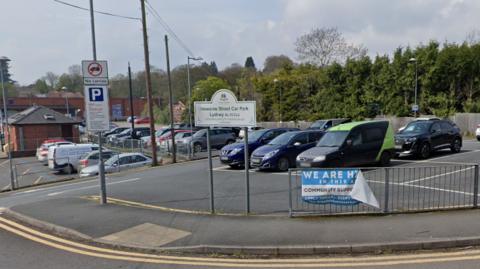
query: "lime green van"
352, 144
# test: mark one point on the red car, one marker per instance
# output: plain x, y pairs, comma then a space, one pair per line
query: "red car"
142, 120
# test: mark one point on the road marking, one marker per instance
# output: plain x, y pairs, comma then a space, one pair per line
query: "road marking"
439, 175
4, 162
6, 187
362, 261
252, 170
94, 186
428, 161
38, 180
26, 171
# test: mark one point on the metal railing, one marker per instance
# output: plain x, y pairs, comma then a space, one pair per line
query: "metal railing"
399, 190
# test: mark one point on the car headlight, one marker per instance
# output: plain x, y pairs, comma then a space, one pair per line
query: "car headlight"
270, 154
319, 158
411, 139
235, 151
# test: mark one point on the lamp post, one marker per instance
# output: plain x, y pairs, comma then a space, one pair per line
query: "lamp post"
64, 89
3, 61
190, 98
414, 60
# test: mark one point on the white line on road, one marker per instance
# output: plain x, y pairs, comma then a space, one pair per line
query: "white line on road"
439, 175
4, 162
228, 169
6, 187
94, 186
26, 171
423, 187
38, 180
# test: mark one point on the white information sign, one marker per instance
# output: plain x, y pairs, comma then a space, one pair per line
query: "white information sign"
97, 108
95, 72
225, 111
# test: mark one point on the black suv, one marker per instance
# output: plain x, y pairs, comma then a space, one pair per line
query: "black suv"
424, 136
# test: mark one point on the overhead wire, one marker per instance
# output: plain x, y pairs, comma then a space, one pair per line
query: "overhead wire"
96, 11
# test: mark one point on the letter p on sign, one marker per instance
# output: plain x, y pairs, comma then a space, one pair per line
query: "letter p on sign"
95, 94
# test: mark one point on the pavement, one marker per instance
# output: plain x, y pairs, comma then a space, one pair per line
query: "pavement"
166, 209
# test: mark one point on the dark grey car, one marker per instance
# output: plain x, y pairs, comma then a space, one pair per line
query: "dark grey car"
218, 139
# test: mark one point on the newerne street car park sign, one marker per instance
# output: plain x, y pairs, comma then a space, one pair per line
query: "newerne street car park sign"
224, 110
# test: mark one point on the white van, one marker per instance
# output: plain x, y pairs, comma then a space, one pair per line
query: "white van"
66, 157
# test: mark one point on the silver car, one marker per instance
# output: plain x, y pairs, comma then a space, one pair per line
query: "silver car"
198, 142
118, 163
91, 158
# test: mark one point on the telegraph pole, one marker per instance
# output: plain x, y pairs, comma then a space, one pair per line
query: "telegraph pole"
131, 97
149, 85
172, 131
101, 172
12, 177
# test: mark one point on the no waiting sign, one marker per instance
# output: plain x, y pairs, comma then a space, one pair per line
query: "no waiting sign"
95, 72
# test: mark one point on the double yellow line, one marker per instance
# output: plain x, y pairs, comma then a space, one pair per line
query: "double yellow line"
321, 262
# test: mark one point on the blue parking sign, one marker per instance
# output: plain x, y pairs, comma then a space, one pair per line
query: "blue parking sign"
95, 94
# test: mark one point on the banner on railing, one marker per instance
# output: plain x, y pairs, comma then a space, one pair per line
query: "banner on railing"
336, 186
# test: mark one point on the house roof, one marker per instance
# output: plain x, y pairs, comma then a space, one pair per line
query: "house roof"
40, 115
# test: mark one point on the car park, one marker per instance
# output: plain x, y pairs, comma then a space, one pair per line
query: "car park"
326, 124
65, 158
233, 155
421, 138
351, 144
281, 152
118, 163
92, 158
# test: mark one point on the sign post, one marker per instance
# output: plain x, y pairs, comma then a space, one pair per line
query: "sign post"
97, 109
224, 110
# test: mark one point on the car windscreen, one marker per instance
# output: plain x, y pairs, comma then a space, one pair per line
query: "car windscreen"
112, 160
318, 124
417, 127
283, 139
332, 139
200, 133
254, 136
125, 132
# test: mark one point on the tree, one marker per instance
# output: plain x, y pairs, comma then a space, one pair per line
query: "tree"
323, 46
41, 86
249, 63
273, 63
204, 89
4, 67
51, 79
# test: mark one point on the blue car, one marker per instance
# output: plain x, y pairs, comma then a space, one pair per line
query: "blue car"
233, 154
281, 152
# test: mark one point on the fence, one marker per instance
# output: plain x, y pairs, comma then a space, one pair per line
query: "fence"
400, 190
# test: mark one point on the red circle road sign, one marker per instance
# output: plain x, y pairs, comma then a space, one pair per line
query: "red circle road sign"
95, 69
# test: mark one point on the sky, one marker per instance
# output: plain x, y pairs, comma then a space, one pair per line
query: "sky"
43, 35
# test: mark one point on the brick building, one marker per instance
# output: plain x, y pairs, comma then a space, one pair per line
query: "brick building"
32, 126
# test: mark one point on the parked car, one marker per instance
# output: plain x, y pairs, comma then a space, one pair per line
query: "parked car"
118, 163
419, 119
241, 134
92, 158
352, 144
219, 137
281, 152
65, 158
42, 151
129, 119
477, 132
165, 140
421, 138
115, 131
326, 124
143, 120
233, 154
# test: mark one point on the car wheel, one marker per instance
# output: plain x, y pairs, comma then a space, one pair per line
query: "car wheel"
283, 164
68, 169
456, 145
478, 138
197, 148
424, 151
385, 158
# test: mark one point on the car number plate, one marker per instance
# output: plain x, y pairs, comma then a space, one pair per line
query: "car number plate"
398, 146
305, 165
224, 158
255, 160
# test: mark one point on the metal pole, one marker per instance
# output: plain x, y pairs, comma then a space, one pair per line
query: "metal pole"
210, 172
416, 84
387, 190
475, 187
131, 97
101, 170
170, 96
247, 175
290, 207
149, 85
66, 100
189, 105
12, 177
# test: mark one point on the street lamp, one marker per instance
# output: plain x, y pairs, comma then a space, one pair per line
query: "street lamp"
64, 89
190, 97
414, 60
